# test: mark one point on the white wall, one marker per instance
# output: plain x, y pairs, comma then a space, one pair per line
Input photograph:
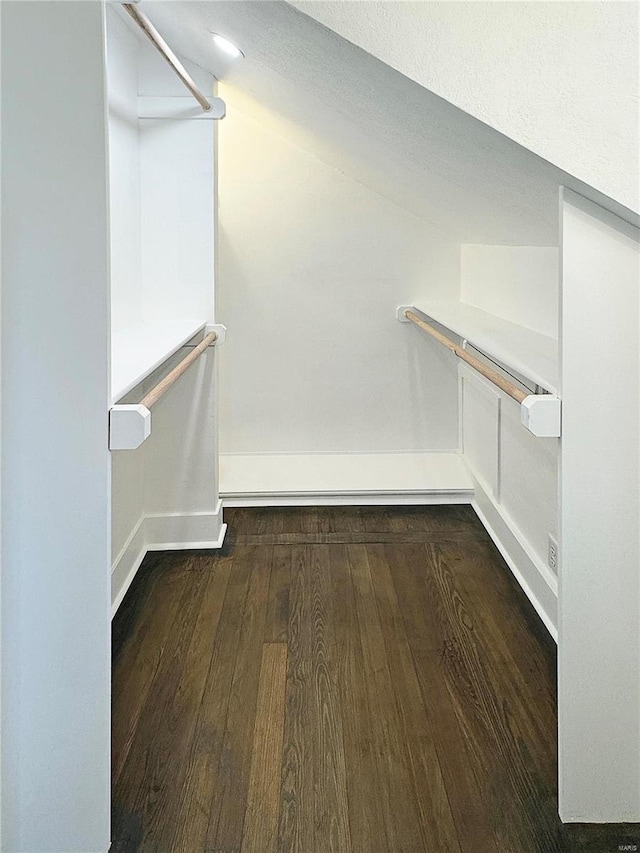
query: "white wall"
545, 74
56, 651
312, 267
180, 456
177, 218
124, 174
516, 283
599, 649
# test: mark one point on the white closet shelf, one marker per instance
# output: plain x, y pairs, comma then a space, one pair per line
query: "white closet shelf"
529, 353
138, 350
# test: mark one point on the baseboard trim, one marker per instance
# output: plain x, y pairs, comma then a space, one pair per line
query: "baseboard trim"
164, 532
536, 580
173, 531
127, 563
196, 545
305, 479
354, 499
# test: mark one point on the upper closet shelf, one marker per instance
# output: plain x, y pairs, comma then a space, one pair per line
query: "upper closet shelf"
137, 351
529, 353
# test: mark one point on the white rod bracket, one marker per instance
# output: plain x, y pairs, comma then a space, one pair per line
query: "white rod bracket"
400, 312
219, 329
129, 426
541, 414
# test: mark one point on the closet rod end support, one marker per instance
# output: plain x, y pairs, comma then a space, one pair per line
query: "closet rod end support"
401, 310
129, 426
541, 415
219, 329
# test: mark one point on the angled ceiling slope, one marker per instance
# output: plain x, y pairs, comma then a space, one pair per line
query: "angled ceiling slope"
358, 114
560, 79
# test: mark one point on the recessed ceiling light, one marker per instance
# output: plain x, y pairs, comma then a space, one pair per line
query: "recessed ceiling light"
227, 47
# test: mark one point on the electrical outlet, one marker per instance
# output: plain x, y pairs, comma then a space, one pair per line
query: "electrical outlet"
553, 554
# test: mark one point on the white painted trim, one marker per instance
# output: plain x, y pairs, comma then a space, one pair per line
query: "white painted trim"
360, 499
208, 545
334, 452
493, 398
126, 564
169, 529
334, 475
537, 581
164, 532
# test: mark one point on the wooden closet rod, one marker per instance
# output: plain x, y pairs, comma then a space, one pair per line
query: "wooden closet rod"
162, 387
504, 384
154, 36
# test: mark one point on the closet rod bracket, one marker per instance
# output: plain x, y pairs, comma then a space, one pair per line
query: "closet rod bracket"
401, 312
541, 414
129, 426
219, 330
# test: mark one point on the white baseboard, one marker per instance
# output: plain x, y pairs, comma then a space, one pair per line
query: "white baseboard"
182, 531
165, 532
338, 479
127, 563
538, 582
355, 499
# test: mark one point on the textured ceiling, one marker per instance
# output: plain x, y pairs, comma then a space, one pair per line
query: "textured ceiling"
559, 78
370, 121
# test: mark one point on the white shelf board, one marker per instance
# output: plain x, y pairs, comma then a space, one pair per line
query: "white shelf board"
346, 474
138, 350
529, 353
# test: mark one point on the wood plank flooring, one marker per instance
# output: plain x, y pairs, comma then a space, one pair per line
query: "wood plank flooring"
338, 680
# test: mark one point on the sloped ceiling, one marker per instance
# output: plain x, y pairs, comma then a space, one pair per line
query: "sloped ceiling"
559, 78
371, 122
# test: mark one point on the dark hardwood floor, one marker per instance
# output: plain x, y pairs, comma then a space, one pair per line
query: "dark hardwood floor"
338, 679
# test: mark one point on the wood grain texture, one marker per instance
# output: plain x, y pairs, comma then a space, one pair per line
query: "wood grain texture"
227, 814
296, 833
338, 680
136, 658
366, 826
260, 834
276, 630
193, 804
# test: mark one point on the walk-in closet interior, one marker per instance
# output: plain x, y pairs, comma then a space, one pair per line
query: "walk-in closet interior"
383, 301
